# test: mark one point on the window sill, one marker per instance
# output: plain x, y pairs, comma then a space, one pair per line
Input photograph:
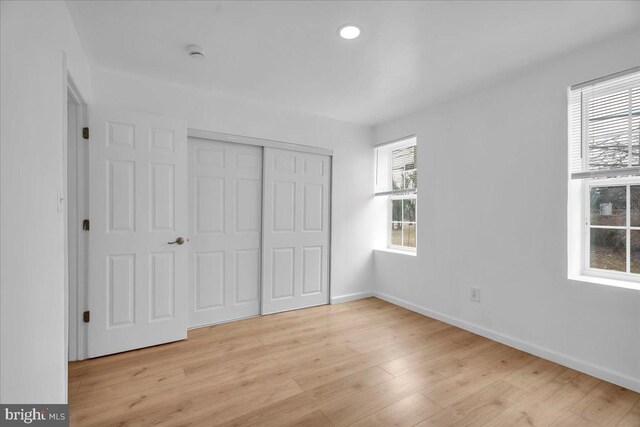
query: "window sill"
626, 284
396, 251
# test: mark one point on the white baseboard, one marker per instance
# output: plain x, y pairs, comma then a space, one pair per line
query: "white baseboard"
351, 297
597, 371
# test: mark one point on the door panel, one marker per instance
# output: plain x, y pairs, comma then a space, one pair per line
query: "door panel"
296, 230
225, 199
311, 270
121, 283
247, 280
284, 206
282, 274
162, 191
162, 284
120, 190
248, 205
313, 209
138, 184
209, 280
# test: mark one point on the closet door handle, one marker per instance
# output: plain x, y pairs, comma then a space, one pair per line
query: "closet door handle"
178, 241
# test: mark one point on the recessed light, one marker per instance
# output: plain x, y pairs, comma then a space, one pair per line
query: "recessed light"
349, 31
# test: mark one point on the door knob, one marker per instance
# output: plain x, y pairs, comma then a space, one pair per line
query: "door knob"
179, 241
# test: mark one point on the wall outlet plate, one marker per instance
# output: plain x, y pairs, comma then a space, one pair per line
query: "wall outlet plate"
475, 294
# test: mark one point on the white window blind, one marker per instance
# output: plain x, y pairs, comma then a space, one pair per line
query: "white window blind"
396, 168
604, 127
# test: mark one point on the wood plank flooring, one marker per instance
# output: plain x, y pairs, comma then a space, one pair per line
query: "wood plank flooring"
362, 363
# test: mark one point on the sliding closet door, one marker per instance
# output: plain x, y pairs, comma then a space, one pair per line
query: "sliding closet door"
225, 205
296, 230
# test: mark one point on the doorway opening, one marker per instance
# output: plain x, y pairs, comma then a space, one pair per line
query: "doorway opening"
76, 201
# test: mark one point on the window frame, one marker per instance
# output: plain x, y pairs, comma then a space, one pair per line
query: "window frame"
385, 188
586, 269
582, 177
390, 222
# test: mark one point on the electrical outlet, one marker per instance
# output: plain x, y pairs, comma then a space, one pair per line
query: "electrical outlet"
475, 294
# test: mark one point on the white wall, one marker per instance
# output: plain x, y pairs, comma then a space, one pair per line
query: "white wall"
213, 111
34, 36
492, 214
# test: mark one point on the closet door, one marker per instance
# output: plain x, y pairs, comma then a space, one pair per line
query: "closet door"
296, 230
225, 205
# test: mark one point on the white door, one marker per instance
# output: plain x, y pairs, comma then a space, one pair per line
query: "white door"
137, 204
296, 230
225, 203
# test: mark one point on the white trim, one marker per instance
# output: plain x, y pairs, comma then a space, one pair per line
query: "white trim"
71, 233
407, 192
613, 277
605, 78
397, 251
608, 173
545, 353
63, 203
606, 281
409, 140
217, 136
77, 209
75, 92
351, 297
331, 231
403, 249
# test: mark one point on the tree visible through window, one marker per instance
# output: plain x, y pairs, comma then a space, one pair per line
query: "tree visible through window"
403, 208
614, 227
403, 221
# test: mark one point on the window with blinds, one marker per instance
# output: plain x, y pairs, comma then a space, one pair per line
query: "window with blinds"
604, 127
396, 168
397, 179
603, 209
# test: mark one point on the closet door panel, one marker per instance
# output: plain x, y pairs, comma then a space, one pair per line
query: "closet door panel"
296, 230
225, 205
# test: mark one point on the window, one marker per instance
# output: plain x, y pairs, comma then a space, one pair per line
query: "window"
397, 179
604, 160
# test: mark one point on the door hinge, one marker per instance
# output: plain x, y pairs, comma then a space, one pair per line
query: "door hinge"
86, 316
85, 133
85, 224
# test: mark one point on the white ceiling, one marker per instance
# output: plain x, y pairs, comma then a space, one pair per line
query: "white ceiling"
410, 54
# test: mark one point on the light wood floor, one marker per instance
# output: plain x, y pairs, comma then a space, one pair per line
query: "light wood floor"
361, 363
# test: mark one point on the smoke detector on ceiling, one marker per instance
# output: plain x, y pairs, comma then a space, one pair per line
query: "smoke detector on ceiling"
195, 51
